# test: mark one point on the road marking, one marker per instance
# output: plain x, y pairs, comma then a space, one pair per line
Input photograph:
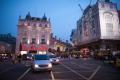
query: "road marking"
7, 69
84, 67
93, 74
74, 72
24, 74
53, 78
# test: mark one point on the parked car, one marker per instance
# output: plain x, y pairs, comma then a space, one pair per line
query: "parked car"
29, 56
41, 62
27, 59
54, 59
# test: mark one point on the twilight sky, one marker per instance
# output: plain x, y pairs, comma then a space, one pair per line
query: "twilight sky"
63, 13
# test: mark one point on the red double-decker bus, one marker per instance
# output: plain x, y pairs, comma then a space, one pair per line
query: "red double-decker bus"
84, 52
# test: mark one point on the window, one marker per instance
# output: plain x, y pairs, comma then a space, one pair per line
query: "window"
24, 32
33, 40
85, 26
34, 24
102, 5
93, 24
111, 6
43, 40
109, 28
45, 25
109, 23
108, 18
28, 23
40, 25
94, 32
24, 40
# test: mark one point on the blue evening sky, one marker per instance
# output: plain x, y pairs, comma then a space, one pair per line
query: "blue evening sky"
63, 13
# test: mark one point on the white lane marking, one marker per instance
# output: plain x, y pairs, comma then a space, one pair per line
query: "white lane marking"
75, 72
7, 69
53, 78
93, 74
84, 67
24, 74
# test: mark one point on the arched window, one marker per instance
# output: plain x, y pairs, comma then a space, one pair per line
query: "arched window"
45, 25
108, 17
109, 23
40, 25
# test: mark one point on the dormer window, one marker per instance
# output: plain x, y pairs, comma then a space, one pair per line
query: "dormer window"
40, 25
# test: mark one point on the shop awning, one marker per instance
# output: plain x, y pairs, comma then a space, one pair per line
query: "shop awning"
42, 48
32, 47
24, 47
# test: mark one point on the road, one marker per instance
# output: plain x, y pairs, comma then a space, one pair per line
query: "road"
74, 69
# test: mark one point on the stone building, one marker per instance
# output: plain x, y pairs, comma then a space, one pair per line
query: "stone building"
7, 43
98, 28
33, 35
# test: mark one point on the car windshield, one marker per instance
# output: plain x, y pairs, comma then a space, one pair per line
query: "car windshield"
41, 57
53, 56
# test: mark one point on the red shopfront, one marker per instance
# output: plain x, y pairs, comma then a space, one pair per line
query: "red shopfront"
34, 49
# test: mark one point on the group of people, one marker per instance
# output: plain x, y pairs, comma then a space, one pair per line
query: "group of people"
112, 56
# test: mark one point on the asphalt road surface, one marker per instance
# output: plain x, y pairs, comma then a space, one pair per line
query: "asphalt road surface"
74, 69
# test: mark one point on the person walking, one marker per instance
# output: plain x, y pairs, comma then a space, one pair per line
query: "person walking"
114, 56
19, 58
13, 58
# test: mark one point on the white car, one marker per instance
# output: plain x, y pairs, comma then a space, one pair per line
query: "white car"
41, 62
54, 59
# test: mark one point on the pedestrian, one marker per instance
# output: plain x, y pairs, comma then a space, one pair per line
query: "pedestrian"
19, 58
69, 57
0, 58
13, 58
114, 56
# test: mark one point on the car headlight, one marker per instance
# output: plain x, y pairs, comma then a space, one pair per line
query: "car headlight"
51, 60
36, 65
49, 65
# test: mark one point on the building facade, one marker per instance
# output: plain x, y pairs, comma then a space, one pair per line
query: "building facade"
119, 15
5, 48
33, 35
7, 44
57, 44
98, 28
74, 37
